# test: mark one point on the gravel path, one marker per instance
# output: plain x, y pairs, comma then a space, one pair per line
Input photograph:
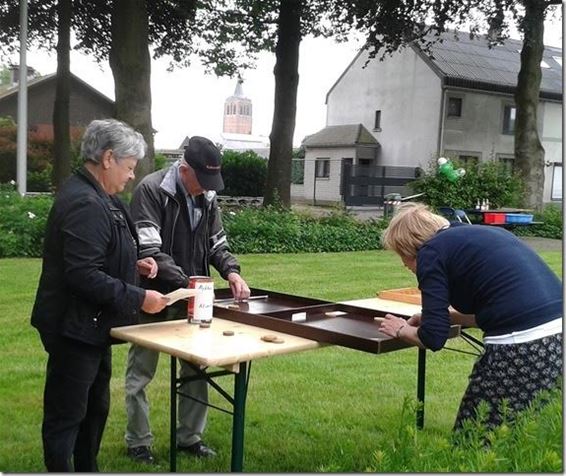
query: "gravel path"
543, 244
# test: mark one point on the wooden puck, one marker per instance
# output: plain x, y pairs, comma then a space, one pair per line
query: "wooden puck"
204, 325
228, 333
272, 338
233, 306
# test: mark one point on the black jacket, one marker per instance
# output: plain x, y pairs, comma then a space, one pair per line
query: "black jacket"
89, 273
159, 211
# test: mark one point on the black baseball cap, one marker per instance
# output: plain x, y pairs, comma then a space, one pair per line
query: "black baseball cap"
205, 158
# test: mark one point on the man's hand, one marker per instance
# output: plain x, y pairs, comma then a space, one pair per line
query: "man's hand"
147, 267
240, 289
154, 301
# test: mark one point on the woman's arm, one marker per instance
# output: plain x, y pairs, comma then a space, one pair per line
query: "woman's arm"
466, 320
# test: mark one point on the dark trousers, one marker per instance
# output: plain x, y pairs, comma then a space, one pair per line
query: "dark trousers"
76, 402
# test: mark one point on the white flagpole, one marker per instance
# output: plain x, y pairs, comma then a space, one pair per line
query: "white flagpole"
23, 102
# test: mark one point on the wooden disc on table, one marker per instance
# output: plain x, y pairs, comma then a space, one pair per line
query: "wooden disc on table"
204, 325
228, 333
272, 338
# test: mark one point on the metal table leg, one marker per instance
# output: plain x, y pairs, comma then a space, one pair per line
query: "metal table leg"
173, 417
240, 391
421, 377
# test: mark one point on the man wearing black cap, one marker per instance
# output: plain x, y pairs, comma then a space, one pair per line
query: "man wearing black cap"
178, 223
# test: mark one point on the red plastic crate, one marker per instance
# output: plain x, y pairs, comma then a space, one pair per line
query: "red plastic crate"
494, 218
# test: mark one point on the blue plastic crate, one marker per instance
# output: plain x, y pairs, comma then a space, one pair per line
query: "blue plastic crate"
518, 218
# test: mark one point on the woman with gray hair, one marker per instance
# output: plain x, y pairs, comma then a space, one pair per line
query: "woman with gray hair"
481, 276
88, 284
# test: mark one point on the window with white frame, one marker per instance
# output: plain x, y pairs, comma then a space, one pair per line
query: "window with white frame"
556, 193
509, 117
322, 168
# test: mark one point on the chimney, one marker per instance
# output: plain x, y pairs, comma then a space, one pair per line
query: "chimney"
15, 74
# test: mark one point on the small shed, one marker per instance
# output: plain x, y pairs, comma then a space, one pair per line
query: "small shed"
326, 153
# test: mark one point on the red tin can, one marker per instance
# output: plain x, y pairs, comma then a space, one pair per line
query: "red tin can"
200, 306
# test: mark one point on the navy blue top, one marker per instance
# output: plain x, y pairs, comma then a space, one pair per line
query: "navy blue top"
486, 271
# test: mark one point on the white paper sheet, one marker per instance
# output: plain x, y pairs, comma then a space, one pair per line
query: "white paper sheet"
181, 293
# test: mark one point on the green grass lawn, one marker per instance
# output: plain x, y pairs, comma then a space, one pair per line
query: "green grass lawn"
324, 410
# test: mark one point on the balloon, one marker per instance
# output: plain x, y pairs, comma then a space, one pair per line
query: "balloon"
446, 168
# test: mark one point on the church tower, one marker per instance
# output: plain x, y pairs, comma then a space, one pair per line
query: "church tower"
238, 112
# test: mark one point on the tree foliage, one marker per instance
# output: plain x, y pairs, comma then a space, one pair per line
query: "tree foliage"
179, 29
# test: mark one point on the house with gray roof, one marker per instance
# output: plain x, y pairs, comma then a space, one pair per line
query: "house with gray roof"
456, 101
86, 104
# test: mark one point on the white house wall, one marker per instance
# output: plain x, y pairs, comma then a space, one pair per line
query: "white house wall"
407, 92
551, 138
478, 131
479, 128
325, 189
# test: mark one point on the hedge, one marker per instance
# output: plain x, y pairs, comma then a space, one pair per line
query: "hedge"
249, 230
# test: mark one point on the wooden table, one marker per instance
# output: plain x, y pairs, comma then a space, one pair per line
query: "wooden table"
208, 347
204, 348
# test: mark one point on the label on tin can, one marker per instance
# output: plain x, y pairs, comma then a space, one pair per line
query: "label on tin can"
200, 306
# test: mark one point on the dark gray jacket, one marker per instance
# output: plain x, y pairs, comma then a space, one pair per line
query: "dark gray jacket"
89, 273
159, 211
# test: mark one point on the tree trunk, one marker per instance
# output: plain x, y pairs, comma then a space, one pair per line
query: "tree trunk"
131, 67
61, 122
529, 153
278, 183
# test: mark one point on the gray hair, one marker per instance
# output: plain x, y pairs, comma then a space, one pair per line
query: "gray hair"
104, 134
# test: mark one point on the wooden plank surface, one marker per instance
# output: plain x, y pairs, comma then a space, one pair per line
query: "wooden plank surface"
394, 307
208, 346
408, 295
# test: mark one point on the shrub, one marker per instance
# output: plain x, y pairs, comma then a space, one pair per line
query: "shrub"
161, 162
244, 174
39, 156
298, 171
489, 180
250, 230
552, 224
23, 223
270, 230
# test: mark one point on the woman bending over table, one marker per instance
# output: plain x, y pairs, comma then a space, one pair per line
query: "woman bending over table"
493, 281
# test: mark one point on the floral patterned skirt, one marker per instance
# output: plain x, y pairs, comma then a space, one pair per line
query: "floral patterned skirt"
511, 372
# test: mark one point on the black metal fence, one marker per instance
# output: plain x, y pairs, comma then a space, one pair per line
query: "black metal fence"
368, 185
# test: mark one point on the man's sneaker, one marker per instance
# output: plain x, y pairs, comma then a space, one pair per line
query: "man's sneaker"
141, 454
199, 449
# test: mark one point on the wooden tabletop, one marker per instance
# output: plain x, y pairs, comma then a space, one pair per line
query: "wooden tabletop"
394, 307
209, 347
